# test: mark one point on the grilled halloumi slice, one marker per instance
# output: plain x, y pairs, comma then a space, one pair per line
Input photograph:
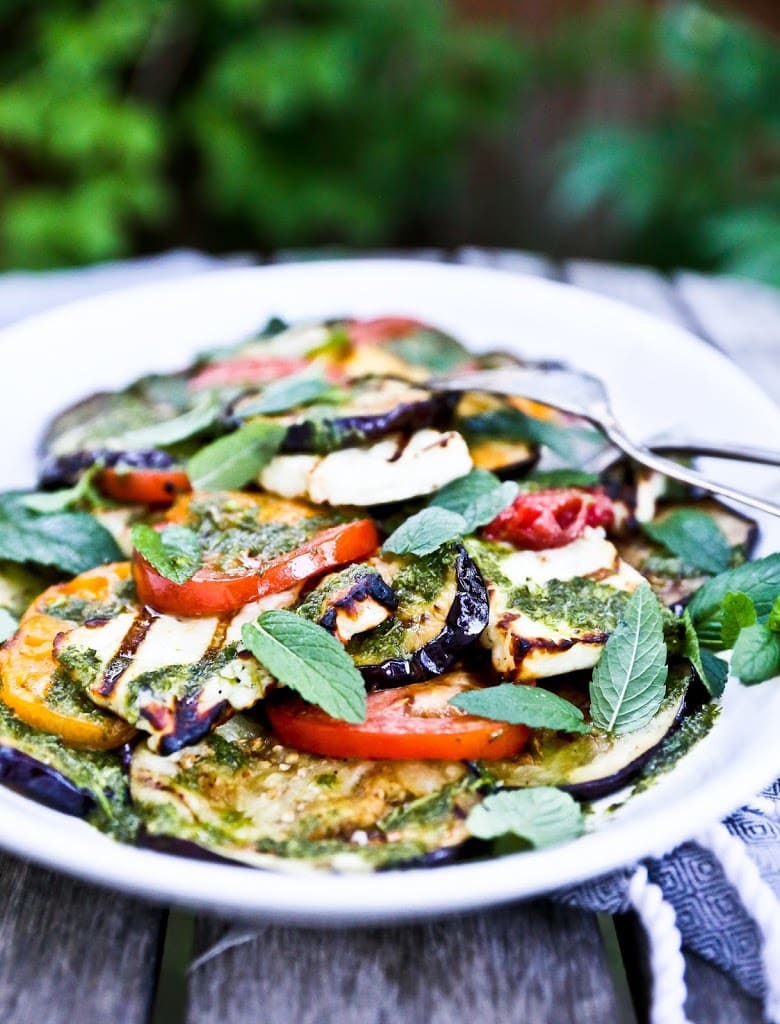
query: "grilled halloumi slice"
552, 611
394, 469
174, 678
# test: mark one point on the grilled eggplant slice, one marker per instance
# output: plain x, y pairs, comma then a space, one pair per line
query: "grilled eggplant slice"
552, 611
593, 765
85, 784
242, 795
672, 580
397, 468
350, 602
442, 609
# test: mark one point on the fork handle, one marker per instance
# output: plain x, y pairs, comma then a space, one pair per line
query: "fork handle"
677, 472
721, 450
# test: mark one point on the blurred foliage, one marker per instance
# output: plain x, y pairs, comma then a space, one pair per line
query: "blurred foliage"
131, 124
695, 179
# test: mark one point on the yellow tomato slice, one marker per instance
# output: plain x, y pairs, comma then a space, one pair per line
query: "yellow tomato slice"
28, 667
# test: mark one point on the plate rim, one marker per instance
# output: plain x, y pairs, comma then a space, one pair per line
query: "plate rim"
194, 887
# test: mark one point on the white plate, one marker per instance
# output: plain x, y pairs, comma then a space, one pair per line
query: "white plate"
661, 378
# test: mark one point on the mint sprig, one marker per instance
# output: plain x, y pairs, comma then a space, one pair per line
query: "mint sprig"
175, 552
289, 393
237, 458
523, 705
628, 683
759, 580
542, 816
694, 537
307, 659
711, 670
180, 428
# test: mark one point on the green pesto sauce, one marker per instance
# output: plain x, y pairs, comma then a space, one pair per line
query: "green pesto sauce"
98, 772
77, 609
65, 693
417, 584
231, 533
583, 604
182, 680
487, 555
690, 731
314, 605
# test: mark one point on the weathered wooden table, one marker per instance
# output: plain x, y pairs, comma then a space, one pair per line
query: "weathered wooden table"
72, 953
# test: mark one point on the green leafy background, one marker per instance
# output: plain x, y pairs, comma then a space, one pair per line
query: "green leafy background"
128, 126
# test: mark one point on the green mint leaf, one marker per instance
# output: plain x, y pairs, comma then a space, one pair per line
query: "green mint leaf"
542, 816
694, 537
305, 657
759, 580
8, 625
711, 670
512, 425
159, 435
426, 531
71, 542
737, 611
289, 393
628, 683
522, 705
542, 478
773, 620
478, 496
57, 501
234, 460
756, 654
175, 552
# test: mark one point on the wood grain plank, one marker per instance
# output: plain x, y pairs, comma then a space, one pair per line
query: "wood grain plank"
69, 952
532, 964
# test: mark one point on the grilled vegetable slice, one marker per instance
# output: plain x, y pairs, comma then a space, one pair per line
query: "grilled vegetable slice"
671, 579
396, 468
84, 783
414, 721
349, 602
412, 341
595, 764
36, 688
173, 678
442, 609
360, 412
552, 611
244, 796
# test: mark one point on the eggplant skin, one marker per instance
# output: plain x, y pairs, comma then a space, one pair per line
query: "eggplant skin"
46, 785
65, 470
465, 623
436, 412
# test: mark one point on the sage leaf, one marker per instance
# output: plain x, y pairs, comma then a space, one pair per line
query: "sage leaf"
628, 683
159, 435
288, 393
523, 705
760, 580
542, 816
175, 552
307, 659
234, 460
711, 670
426, 531
737, 611
756, 654
71, 542
694, 537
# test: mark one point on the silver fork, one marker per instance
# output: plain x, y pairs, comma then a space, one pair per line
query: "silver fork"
584, 395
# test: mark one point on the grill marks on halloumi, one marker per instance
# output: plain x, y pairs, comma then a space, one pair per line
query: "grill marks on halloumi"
552, 611
172, 677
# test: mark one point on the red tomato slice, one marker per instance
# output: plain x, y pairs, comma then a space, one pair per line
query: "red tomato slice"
550, 518
211, 592
143, 486
410, 722
245, 370
385, 328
